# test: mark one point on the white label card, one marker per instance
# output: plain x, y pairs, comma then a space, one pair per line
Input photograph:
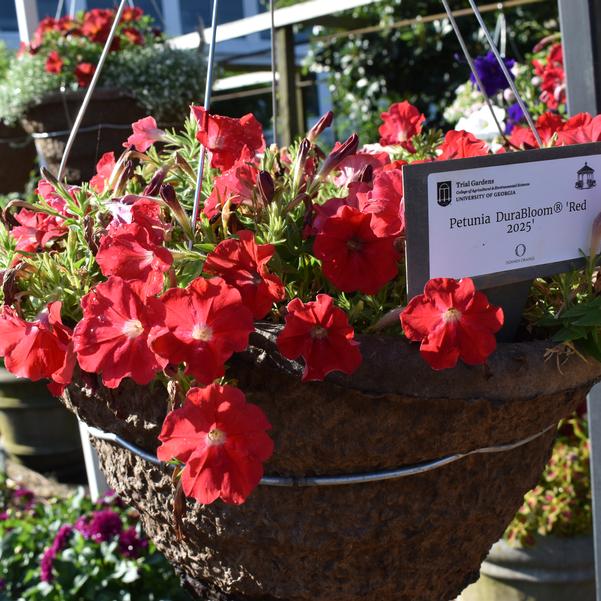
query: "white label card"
501, 219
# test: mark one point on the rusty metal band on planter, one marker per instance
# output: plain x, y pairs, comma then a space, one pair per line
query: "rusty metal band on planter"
362, 478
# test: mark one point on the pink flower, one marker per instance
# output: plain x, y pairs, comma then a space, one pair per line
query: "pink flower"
146, 133
36, 230
104, 170
84, 72
400, 124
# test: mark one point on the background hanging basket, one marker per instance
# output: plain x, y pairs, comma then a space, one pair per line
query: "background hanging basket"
55, 116
17, 156
420, 538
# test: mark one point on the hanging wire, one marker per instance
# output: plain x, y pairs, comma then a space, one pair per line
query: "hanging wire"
500, 35
361, 478
506, 72
274, 88
90, 91
59, 10
207, 107
472, 65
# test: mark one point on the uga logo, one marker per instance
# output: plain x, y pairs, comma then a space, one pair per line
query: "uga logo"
444, 194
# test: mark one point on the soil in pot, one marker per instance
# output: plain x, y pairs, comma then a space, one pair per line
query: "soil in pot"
17, 158
554, 569
113, 110
420, 538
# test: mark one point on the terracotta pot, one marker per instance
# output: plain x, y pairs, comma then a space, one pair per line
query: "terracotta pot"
55, 116
554, 569
17, 157
420, 538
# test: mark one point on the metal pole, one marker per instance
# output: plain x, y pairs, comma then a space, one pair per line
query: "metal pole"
506, 72
274, 89
90, 92
207, 107
27, 18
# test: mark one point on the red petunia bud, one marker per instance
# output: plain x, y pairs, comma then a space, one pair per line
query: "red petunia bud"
346, 149
266, 186
320, 126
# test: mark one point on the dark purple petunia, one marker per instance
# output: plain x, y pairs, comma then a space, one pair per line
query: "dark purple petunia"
515, 114
491, 75
104, 525
58, 544
130, 544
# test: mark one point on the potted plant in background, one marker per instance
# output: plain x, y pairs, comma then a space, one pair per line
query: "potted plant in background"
547, 553
47, 80
17, 151
294, 277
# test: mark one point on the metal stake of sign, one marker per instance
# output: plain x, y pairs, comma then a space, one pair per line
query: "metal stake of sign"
90, 92
207, 107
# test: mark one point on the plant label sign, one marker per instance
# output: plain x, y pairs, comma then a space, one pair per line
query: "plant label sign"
501, 219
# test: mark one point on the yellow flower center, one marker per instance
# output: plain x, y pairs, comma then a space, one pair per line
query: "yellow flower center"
216, 437
133, 328
451, 315
202, 332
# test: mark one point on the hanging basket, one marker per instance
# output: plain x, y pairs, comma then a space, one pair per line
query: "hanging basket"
416, 538
17, 156
106, 125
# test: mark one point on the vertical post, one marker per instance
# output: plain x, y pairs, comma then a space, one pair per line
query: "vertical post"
581, 27
581, 30
27, 18
96, 480
288, 126
172, 16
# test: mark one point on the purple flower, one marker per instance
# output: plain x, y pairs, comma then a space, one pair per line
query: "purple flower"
2, 584
514, 115
104, 525
3, 516
23, 498
130, 544
491, 75
58, 544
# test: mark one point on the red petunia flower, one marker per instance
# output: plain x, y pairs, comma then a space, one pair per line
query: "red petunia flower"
35, 349
142, 210
146, 133
223, 441
112, 337
129, 252
131, 14
97, 24
54, 63
460, 145
580, 129
547, 125
226, 137
353, 165
243, 264
84, 73
452, 320
235, 185
133, 35
401, 122
320, 333
353, 258
36, 230
205, 324
384, 202
104, 170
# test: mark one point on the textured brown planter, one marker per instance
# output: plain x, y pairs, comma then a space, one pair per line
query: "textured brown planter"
56, 114
17, 156
420, 538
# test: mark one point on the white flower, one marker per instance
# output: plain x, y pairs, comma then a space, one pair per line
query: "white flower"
482, 124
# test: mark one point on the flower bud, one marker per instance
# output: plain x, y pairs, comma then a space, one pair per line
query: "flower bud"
169, 197
121, 183
320, 126
266, 186
300, 162
345, 150
153, 188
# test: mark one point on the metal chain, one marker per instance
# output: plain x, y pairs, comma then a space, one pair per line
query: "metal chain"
207, 107
506, 72
362, 478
